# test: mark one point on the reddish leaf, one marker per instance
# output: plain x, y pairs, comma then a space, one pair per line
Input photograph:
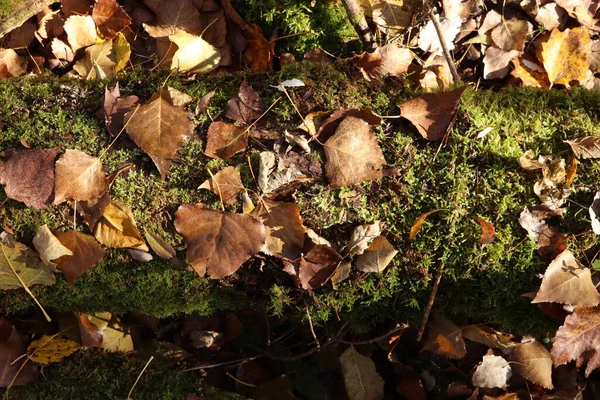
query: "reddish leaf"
110, 18
87, 252
91, 336
224, 140
11, 350
29, 175
218, 242
317, 266
246, 106
115, 108
488, 233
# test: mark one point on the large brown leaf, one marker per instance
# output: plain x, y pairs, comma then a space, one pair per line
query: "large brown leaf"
218, 242
353, 154
567, 282
224, 140
87, 252
110, 18
159, 128
579, 339
79, 177
246, 106
534, 363
173, 15
433, 114
29, 175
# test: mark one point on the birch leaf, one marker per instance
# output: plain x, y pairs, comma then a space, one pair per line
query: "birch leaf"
361, 378
48, 246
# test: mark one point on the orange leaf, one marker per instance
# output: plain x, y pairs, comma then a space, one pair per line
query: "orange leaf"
417, 225
565, 55
489, 232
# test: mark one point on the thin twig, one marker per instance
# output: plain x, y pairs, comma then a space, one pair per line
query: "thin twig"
312, 330
139, 376
358, 21
222, 364
438, 278
397, 328
447, 56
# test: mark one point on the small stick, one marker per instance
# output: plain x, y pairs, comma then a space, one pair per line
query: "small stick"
447, 56
221, 364
139, 376
312, 330
358, 21
438, 278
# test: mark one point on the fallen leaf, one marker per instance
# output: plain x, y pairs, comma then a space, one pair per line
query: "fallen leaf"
488, 233
272, 173
218, 242
92, 210
594, 211
20, 37
163, 249
28, 175
511, 34
159, 128
445, 338
493, 372
11, 64
226, 184
496, 62
48, 246
246, 106
176, 97
583, 11
81, 31
172, 16
258, 54
203, 102
534, 363
567, 282
51, 349
98, 62
20, 267
531, 74
283, 226
193, 54
79, 177
122, 52
362, 236
353, 154
76, 7
535, 219
550, 189
585, 147
12, 369
565, 55
571, 171
51, 26
91, 336
117, 229
361, 378
577, 339
224, 140
416, 227
115, 109
488, 337
110, 18
317, 266
528, 162
115, 338
551, 16
377, 256
433, 114
429, 40
342, 272
87, 252
326, 128
61, 50
389, 60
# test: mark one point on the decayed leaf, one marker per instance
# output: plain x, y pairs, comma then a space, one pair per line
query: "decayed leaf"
488, 233
377, 256
218, 242
194, 54
445, 338
416, 227
117, 228
585, 147
203, 102
578, 338
353, 154
258, 54
48, 246
110, 18
115, 108
11, 64
79, 177
361, 378
105, 331
550, 188
389, 60
488, 337
567, 282
171, 16
362, 236
91, 336
317, 266
99, 61
246, 106
272, 172
565, 55
81, 31
284, 230
530, 73
534, 219
595, 213
226, 184
87, 252
20, 267
342, 272
224, 140
496, 62
433, 114
50, 349
11, 350
493, 372
534, 363
159, 128
28, 175
175, 97
528, 162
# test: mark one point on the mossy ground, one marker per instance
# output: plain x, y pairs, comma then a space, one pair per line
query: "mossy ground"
469, 177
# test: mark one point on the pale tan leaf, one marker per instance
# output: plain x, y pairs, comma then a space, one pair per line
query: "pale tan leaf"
98, 62
362, 236
496, 62
172, 16
176, 97
48, 246
194, 54
377, 256
535, 219
493, 372
81, 31
342, 272
389, 60
534, 363
61, 50
361, 378
528, 162
511, 34
11, 64
79, 177
585, 147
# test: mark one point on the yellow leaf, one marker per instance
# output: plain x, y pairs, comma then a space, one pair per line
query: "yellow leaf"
117, 228
565, 55
194, 53
122, 51
49, 349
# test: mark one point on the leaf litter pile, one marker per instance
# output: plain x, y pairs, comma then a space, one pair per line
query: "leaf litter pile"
254, 220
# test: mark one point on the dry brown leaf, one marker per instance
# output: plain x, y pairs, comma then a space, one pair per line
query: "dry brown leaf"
51, 26
585, 147
115, 108
226, 184
565, 55
360, 376
92, 210
48, 246
445, 338
488, 337
105, 331
528, 162
13, 370
326, 128
493, 372
317, 266
224, 140
496, 62
117, 228
416, 227
534, 363
488, 233
172, 16
377, 256
552, 16
76, 7
203, 102
362, 236
258, 54
433, 114
87, 252
28, 175
511, 34
11, 64
159, 128
284, 229
391, 16
353, 154
20, 37
246, 106
79, 177
578, 339
163, 249
536, 220
342, 272
551, 187
175, 97
584, 11
81, 31
218, 242
389, 60
567, 282
98, 62
110, 18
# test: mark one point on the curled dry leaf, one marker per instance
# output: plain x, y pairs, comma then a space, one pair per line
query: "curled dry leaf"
534, 363
445, 338
567, 282
117, 228
389, 60
218, 242
48, 246
11, 64
79, 177
193, 54
353, 154
226, 184
493, 372
551, 187
110, 18
362, 236
50, 349
317, 266
528, 162
224, 140
488, 337
105, 331
203, 102
159, 128
377, 256
246, 106
361, 378
98, 62
530, 73
28, 175
115, 108
61, 50
433, 114
81, 31
537, 221
175, 97
87, 252
488, 233
416, 227
585, 147
565, 55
